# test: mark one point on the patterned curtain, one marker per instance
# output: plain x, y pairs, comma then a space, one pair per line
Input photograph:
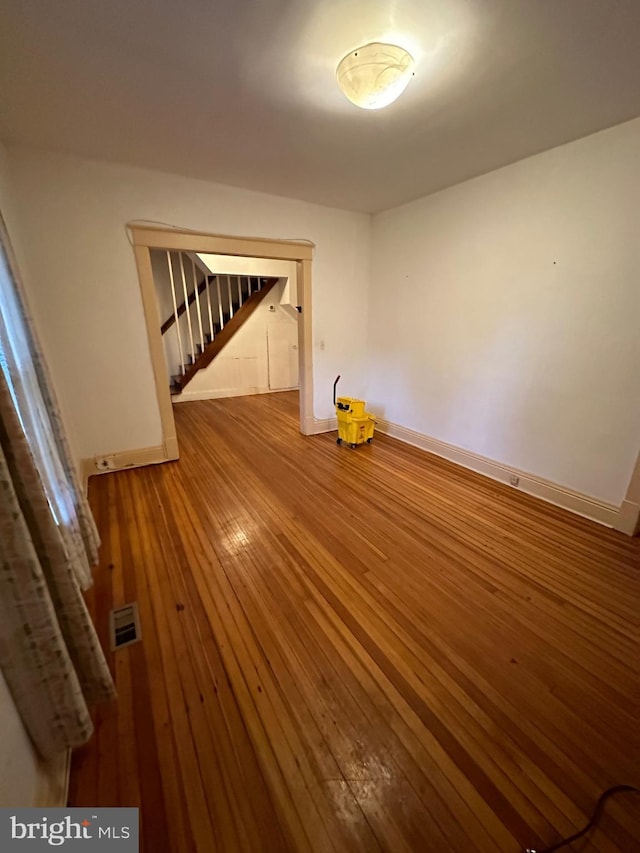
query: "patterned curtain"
49, 651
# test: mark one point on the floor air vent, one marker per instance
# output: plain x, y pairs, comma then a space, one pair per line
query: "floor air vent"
124, 626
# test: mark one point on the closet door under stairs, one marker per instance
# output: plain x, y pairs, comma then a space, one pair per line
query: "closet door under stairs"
282, 346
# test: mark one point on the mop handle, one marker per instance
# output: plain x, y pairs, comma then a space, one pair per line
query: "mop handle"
334, 388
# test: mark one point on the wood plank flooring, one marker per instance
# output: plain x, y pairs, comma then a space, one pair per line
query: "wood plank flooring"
357, 650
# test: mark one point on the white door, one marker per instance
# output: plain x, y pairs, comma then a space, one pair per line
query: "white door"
282, 349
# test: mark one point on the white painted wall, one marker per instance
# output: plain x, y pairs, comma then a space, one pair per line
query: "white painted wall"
242, 367
504, 314
22, 776
86, 293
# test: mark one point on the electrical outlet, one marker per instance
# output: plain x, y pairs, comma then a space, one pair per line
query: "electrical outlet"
514, 480
105, 463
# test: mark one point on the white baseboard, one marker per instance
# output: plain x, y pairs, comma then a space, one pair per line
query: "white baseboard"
315, 426
124, 459
189, 396
575, 502
53, 783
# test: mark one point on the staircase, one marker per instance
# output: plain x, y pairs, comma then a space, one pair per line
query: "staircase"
207, 312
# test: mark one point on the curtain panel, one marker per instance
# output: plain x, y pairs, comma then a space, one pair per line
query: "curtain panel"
49, 651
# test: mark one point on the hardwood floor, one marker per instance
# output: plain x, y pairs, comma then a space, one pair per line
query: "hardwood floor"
357, 650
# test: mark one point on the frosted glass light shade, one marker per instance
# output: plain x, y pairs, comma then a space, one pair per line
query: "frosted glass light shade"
374, 75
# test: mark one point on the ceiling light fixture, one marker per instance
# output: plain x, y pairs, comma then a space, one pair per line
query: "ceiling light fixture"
374, 75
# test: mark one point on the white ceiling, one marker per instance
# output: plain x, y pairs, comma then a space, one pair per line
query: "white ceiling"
243, 92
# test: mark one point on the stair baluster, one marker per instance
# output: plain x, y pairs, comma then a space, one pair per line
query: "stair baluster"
220, 311
230, 297
188, 313
197, 300
175, 312
212, 332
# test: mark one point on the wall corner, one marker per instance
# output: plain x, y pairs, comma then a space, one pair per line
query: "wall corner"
628, 518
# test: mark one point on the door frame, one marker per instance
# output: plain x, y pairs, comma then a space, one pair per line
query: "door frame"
147, 237
628, 520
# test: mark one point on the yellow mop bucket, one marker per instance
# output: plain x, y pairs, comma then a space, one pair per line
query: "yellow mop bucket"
355, 426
